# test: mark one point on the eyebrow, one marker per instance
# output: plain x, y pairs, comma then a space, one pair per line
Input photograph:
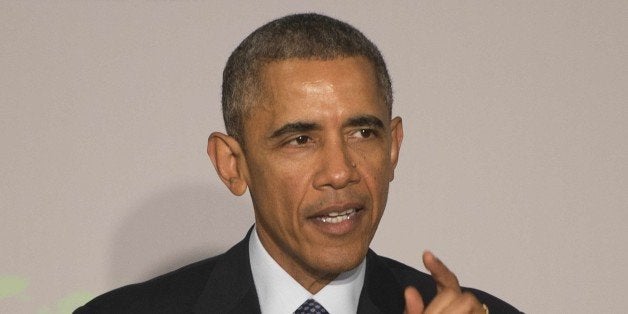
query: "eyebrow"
295, 127
365, 120
299, 127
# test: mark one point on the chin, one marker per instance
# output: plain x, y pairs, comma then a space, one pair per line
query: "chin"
337, 262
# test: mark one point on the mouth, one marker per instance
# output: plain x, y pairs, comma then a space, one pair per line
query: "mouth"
336, 217
339, 219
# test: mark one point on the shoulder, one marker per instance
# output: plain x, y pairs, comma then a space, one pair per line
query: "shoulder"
224, 277
174, 292
408, 276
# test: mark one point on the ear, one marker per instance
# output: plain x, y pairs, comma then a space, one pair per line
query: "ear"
396, 134
228, 158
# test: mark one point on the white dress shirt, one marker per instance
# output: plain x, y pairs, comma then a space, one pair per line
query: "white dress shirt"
279, 293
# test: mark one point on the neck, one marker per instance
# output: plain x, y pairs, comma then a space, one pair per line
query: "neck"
310, 279
313, 280
312, 283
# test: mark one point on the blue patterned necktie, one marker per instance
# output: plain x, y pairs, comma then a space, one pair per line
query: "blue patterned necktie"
311, 307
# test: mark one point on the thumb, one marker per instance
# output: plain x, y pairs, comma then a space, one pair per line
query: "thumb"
414, 301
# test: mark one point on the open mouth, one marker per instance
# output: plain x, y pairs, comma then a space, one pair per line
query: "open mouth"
338, 217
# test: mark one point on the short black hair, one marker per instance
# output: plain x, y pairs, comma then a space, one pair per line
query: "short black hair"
300, 36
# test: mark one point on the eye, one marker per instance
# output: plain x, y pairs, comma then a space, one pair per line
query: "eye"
364, 133
299, 140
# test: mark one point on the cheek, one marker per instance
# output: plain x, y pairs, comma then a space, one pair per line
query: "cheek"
376, 162
376, 175
278, 184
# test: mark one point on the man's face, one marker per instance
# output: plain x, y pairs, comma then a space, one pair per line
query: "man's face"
320, 152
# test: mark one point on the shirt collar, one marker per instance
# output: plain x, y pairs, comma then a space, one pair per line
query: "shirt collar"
278, 292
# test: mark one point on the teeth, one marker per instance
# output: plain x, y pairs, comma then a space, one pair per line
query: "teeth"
336, 217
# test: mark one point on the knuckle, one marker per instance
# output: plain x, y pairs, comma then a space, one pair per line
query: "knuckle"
449, 292
468, 300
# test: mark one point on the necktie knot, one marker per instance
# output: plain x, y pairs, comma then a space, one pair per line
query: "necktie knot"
311, 307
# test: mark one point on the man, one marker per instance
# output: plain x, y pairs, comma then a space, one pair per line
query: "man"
307, 103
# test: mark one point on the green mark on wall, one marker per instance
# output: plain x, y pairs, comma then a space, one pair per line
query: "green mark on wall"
72, 301
11, 286
68, 304
14, 286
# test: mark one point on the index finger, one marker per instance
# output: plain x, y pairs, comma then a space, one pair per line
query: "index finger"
445, 279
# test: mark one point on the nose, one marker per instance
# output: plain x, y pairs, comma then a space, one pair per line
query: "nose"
336, 168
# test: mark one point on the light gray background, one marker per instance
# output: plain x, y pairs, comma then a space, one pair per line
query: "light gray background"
513, 169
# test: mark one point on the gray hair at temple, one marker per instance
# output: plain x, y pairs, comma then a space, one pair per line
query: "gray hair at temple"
301, 36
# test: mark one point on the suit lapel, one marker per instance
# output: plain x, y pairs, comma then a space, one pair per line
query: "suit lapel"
381, 293
230, 287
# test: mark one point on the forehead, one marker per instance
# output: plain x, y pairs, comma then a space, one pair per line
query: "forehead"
294, 84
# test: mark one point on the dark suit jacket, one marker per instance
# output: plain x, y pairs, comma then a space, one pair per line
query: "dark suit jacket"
224, 284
